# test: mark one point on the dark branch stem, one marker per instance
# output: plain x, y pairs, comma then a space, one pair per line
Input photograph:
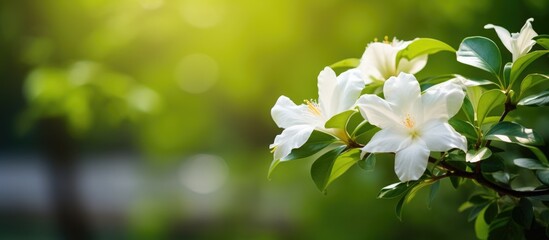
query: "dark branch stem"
479, 178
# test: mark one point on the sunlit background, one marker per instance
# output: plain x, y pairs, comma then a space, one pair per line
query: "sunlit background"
151, 118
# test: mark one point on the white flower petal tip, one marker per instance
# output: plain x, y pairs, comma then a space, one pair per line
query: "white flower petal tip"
519, 44
412, 125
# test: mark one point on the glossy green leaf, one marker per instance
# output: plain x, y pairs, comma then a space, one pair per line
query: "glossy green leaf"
343, 163
469, 110
502, 177
339, 120
480, 52
368, 163
316, 142
540, 99
543, 176
321, 169
477, 155
529, 163
507, 74
422, 46
542, 40
395, 190
346, 63
513, 133
481, 227
533, 80
355, 124
476, 211
491, 212
489, 101
539, 154
463, 127
521, 63
523, 214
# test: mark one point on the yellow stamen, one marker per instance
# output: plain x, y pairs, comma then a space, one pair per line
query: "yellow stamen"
386, 39
313, 107
375, 40
409, 122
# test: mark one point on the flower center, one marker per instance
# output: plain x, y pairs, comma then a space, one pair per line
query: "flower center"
313, 107
409, 122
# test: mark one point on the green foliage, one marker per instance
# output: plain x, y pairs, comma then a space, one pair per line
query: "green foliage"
346, 63
321, 170
368, 163
542, 40
540, 99
521, 63
513, 133
480, 52
423, 46
489, 101
316, 142
339, 120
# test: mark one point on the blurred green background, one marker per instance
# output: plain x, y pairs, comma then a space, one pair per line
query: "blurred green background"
151, 118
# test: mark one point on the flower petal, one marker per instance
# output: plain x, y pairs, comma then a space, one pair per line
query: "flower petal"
442, 100
404, 95
378, 61
327, 82
524, 41
290, 138
377, 111
412, 66
503, 35
411, 162
388, 140
440, 136
349, 86
286, 113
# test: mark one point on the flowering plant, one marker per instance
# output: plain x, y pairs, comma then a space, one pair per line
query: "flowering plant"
443, 127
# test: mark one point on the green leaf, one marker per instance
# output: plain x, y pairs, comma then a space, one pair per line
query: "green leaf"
480, 52
481, 227
529, 163
477, 155
469, 109
503, 227
422, 46
274, 163
542, 40
339, 120
434, 190
521, 63
493, 164
355, 124
316, 142
321, 169
513, 133
540, 99
346, 63
523, 214
543, 176
489, 101
531, 81
539, 154
368, 163
456, 182
507, 73
491, 212
395, 190
343, 163
465, 128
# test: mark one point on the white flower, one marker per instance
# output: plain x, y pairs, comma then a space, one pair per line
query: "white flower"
378, 62
412, 124
335, 95
518, 44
